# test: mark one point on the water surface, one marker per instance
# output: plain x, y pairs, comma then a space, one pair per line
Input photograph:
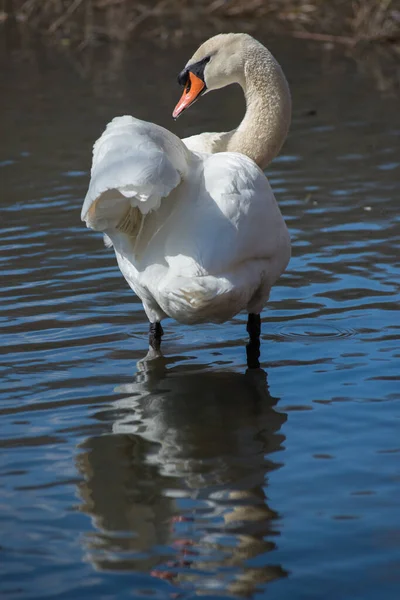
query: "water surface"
199, 478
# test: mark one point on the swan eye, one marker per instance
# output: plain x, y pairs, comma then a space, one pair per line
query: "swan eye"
197, 69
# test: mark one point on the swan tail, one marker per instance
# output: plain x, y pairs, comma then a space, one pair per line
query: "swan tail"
216, 299
135, 165
196, 300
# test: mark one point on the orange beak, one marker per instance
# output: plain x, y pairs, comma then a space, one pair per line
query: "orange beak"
192, 91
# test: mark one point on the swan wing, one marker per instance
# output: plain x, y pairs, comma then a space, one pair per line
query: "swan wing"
227, 245
234, 218
135, 165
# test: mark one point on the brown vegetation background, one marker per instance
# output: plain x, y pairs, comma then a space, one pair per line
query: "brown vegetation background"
83, 23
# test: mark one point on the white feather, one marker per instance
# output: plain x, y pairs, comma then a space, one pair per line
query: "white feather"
198, 235
212, 244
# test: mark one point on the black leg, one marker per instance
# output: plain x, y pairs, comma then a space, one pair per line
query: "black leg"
253, 347
155, 334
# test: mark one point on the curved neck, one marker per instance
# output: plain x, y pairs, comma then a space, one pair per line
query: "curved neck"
265, 125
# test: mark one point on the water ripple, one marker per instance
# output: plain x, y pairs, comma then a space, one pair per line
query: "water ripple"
197, 477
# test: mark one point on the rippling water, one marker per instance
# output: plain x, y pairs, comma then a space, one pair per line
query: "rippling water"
199, 478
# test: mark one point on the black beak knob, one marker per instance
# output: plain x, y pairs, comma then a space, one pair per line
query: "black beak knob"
183, 77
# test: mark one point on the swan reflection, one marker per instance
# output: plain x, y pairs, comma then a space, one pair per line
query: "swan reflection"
178, 485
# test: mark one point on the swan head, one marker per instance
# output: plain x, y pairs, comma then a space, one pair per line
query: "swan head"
218, 62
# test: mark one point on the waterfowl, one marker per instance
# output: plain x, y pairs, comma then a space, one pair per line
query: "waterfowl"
196, 229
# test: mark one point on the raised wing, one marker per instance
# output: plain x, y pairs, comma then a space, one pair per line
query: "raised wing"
135, 165
237, 217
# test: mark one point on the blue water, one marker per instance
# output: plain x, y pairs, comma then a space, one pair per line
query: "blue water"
198, 478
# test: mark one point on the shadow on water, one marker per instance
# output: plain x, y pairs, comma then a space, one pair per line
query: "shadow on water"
178, 485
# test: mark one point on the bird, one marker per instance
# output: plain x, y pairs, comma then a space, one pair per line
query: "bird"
196, 230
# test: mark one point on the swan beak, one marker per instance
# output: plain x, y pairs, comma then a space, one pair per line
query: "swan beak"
193, 89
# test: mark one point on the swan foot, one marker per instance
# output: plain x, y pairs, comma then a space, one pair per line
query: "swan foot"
253, 346
155, 334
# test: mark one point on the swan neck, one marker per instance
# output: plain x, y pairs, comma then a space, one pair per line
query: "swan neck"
265, 125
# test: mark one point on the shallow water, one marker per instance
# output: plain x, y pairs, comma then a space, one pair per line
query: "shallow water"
199, 478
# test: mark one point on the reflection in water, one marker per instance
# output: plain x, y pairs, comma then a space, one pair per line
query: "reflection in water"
178, 487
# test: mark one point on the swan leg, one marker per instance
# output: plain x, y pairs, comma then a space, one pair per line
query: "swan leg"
253, 346
155, 334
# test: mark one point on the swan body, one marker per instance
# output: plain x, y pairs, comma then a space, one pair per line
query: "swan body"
195, 227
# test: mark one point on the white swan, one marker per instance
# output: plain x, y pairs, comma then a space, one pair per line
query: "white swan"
196, 229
